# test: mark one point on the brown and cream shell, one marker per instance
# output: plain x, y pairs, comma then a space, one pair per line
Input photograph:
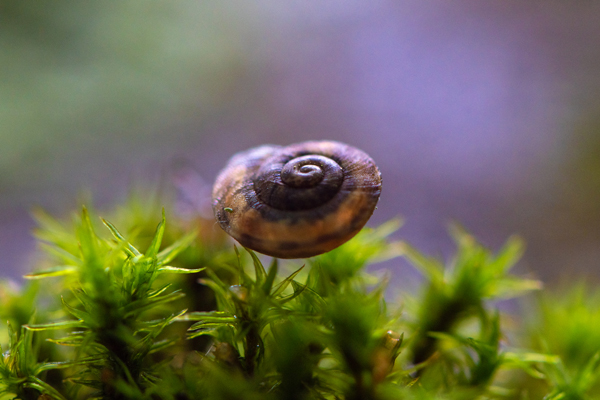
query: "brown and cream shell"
296, 201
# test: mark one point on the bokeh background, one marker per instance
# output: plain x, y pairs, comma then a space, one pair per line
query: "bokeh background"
486, 113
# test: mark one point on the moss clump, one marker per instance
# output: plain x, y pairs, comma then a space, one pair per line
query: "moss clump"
152, 310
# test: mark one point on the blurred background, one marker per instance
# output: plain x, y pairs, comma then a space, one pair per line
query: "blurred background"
485, 113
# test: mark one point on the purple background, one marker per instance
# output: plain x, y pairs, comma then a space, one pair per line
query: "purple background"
486, 113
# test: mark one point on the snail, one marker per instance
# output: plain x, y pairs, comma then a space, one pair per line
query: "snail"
296, 201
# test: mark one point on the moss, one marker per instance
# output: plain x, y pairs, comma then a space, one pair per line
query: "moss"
137, 309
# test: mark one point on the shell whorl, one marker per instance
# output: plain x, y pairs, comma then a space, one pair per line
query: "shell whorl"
299, 183
296, 201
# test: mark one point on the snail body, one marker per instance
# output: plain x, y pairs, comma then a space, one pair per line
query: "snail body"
296, 201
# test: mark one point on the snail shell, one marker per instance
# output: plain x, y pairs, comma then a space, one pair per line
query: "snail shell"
296, 201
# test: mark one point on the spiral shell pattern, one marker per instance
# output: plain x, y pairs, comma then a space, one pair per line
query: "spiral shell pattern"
296, 201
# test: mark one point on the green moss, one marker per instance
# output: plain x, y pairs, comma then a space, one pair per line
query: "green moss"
147, 308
